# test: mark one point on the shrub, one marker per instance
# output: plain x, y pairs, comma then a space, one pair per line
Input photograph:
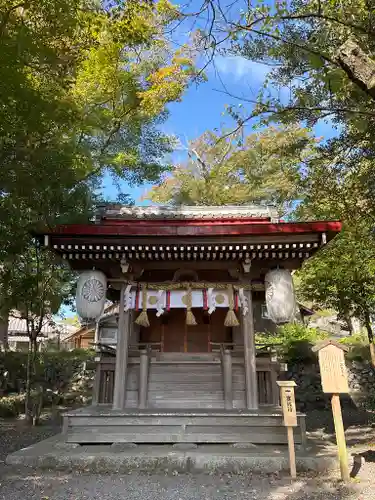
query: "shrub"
358, 347
293, 342
54, 374
12, 405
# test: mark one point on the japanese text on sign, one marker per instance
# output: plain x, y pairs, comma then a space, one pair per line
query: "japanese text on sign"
333, 370
289, 406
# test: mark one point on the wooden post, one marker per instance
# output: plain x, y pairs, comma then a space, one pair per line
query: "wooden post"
97, 378
288, 405
251, 388
335, 381
228, 386
96, 385
340, 437
143, 379
121, 354
292, 453
185, 338
274, 391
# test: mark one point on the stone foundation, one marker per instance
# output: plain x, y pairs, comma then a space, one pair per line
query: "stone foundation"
309, 394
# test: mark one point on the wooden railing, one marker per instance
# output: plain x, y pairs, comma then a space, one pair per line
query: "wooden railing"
266, 368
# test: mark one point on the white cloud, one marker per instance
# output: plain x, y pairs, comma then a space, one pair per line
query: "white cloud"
239, 68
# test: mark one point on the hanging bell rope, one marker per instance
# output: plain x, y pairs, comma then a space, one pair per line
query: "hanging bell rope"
190, 318
142, 319
231, 318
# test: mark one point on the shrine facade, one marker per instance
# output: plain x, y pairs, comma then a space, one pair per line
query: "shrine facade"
177, 359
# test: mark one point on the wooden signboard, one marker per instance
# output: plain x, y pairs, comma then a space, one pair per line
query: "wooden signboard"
335, 381
332, 369
288, 404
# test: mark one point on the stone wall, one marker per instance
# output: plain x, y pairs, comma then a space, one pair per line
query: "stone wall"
309, 395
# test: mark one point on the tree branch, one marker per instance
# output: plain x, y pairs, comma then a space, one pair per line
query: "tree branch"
304, 48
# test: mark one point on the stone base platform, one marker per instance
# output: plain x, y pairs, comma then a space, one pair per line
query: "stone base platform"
55, 453
101, 424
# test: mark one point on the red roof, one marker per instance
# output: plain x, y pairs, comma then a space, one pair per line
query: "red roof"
194, 227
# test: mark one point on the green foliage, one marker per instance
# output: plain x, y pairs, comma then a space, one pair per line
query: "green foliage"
358, 347
358, 339
301, 43
342, 276
12, 405
260, 168
293, 342
54, 374
35, 283
84, 86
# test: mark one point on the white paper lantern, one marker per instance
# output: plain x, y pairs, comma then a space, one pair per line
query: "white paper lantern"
91, 294
280, 296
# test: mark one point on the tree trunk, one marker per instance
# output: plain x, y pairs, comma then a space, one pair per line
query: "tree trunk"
4, 320
349, 323
359, 67
28, 416
30, 373
370, 337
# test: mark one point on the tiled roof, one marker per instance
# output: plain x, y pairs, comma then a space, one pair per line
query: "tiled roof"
182, 212
18, 326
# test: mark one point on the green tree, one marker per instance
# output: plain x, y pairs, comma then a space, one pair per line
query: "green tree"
342, 277
34, 288
263, 167
84, 86
320, 56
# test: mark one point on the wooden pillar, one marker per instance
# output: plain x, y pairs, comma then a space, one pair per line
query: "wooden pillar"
251, 389
96, 386
121, 354
274, 387
143, 379
228, 386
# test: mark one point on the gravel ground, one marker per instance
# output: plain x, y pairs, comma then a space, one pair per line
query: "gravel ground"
19, 485
15, 435
16, 484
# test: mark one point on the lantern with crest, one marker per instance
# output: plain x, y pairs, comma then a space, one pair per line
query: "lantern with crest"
91, 294
280, 296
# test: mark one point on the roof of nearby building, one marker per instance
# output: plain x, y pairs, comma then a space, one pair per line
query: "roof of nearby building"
18, 326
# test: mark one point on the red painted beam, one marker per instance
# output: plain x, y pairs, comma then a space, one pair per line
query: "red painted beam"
165, 228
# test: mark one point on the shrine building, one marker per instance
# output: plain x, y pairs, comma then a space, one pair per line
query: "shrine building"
177, 359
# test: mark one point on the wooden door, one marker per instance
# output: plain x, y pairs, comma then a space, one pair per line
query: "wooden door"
197, 337
220, 332
173, 331
175, 336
